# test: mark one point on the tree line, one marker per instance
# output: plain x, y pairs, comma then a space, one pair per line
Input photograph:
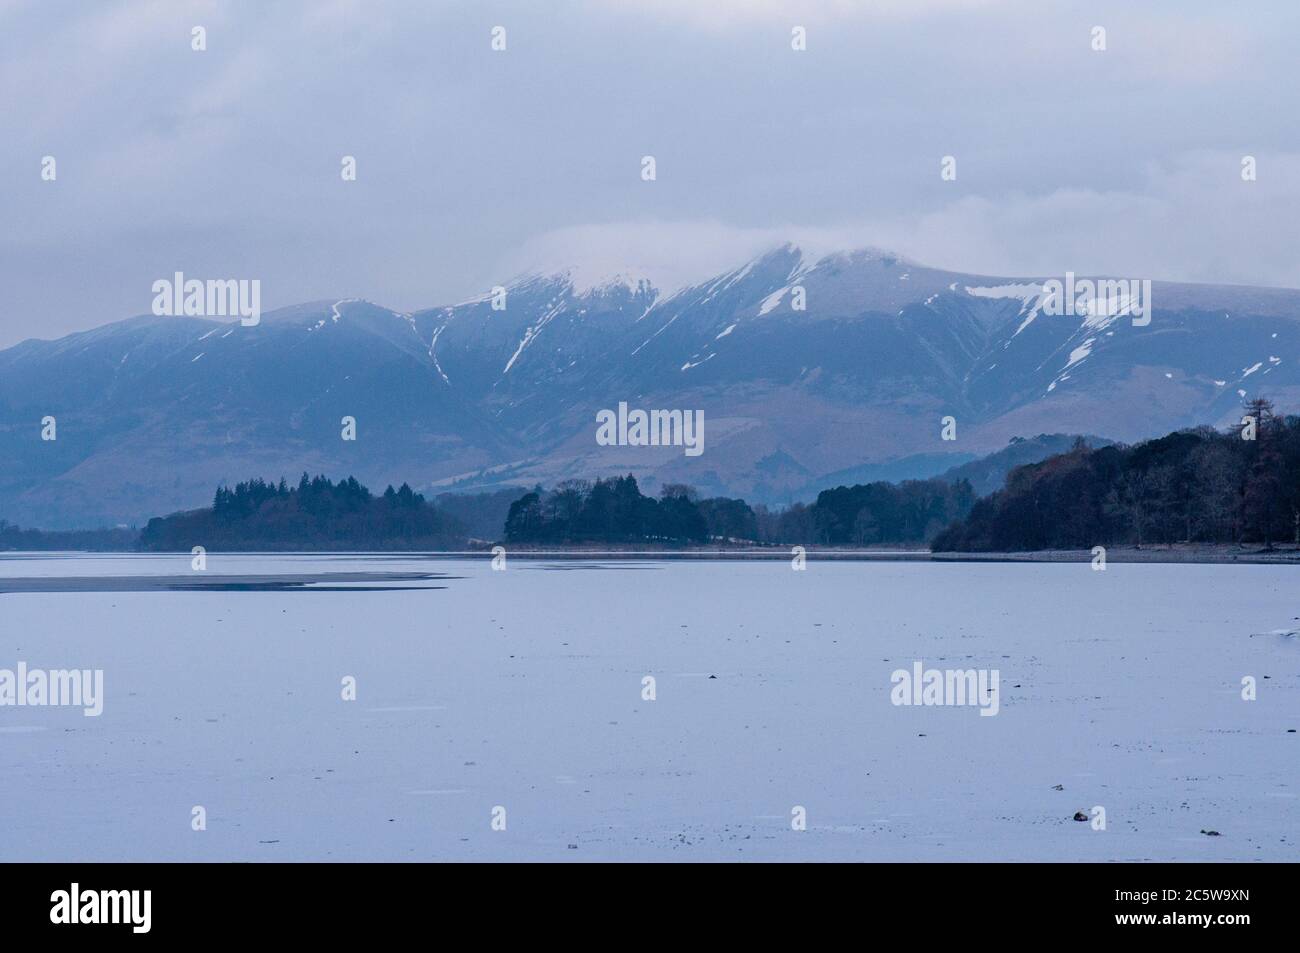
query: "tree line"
37, 540
614, 510
1200, 485
317, 513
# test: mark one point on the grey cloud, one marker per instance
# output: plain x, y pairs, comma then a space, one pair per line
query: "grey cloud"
471, 163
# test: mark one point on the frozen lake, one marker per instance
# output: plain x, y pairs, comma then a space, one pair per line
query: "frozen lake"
523, 689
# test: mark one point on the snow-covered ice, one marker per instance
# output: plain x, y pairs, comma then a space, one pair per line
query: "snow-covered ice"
522, 689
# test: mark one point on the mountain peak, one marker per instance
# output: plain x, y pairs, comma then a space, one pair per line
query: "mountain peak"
803, 256
630, 279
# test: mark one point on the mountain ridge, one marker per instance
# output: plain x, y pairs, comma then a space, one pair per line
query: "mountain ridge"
157, 410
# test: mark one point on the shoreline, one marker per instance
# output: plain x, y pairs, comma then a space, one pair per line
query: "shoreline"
1206, 554
1177, 553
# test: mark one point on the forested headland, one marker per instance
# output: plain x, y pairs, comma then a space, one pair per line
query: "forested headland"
315, 514
1240, 486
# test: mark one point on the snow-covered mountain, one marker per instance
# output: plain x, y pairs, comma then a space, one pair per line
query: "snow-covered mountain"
153, 412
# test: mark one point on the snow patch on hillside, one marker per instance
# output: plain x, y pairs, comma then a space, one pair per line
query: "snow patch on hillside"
433, 353
772, 301
335, 312
530, 335
1030, 295
1080, 352
689, 364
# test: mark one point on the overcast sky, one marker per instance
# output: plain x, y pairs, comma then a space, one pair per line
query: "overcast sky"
473, 165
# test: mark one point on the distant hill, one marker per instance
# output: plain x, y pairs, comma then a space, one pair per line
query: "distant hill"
988, 474
481, 515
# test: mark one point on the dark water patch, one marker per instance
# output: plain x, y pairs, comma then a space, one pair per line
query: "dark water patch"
284, 582
293, 587
569, 567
